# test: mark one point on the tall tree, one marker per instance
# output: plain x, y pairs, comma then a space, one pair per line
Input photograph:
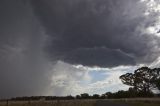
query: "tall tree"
143, 79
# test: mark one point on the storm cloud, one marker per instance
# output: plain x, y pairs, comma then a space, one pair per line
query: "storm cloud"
43, 41
97, 33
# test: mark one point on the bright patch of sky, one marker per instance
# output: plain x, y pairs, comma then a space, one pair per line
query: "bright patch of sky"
153, 11
78, 79
97, 76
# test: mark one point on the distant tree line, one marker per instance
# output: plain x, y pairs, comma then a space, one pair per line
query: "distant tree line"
131, 93
142, 83
42, 98
81, 96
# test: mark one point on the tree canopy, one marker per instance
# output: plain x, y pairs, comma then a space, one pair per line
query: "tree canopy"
143, 79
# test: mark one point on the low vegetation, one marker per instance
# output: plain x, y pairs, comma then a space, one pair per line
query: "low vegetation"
50, 103
143, 104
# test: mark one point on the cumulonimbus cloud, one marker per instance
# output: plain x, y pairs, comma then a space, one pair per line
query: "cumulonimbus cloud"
104, 33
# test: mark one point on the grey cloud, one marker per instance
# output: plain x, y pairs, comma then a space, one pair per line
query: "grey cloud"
78, 24
98, 57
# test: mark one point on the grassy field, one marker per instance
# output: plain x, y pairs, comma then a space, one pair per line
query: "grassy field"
140, 101
129, 102
143, 104
50, 103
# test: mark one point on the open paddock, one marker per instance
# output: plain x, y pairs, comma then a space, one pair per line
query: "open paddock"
89, 102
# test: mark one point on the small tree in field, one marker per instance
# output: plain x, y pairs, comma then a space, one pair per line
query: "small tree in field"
143, 79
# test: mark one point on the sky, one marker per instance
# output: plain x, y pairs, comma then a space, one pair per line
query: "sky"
69, 47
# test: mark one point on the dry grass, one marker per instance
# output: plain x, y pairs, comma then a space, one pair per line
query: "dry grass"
144, 104
130, 102
139, 101
51, 103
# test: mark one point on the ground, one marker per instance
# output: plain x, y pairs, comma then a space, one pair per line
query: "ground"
114, 102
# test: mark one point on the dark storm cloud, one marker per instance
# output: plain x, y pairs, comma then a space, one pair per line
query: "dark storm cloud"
77, 27
98, 57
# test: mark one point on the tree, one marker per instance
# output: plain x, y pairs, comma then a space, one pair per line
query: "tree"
85, 96
158, 83
157, 78
143, 79
132, 92
78, 97
96, 96
108, 95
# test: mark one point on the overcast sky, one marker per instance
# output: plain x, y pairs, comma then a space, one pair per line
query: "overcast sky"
63, 47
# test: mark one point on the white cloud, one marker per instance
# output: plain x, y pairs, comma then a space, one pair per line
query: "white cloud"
156, 63
110, 83
67, 79
70, 79
152, 12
